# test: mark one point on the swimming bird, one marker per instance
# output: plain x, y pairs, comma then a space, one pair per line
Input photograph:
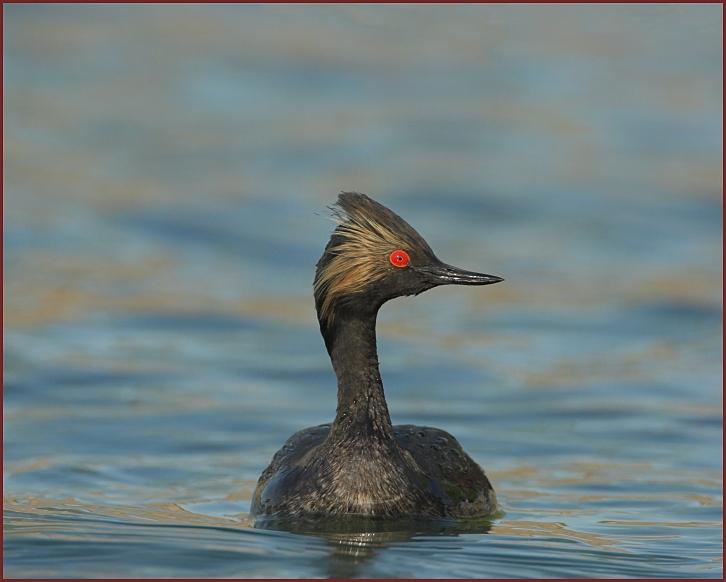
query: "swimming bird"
362, 465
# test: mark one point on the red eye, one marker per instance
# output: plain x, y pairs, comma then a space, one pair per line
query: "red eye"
399, 258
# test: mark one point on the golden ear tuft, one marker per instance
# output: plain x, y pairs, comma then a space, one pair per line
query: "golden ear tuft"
358, 251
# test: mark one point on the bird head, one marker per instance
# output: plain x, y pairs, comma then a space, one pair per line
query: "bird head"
374, 255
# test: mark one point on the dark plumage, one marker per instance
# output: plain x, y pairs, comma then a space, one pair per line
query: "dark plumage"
361, 464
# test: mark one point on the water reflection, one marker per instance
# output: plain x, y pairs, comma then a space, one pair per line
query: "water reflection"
356, 541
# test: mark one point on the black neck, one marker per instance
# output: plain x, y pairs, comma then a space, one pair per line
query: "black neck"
362, 410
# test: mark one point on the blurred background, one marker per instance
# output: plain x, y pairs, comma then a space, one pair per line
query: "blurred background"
167, 172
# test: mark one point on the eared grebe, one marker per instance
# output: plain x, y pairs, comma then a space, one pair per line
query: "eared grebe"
361, 464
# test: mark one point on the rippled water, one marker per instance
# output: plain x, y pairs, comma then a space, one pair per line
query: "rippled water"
166, 169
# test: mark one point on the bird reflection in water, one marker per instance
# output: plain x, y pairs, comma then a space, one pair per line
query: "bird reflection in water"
355, 541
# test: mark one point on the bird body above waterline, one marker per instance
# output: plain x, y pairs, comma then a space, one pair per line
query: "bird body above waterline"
361, 464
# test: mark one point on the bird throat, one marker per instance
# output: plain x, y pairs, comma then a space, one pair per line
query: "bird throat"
362, 411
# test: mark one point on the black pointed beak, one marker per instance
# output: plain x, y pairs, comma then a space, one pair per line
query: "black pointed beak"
443, 274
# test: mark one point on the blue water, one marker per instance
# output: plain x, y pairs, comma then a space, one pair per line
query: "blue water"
168, 170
